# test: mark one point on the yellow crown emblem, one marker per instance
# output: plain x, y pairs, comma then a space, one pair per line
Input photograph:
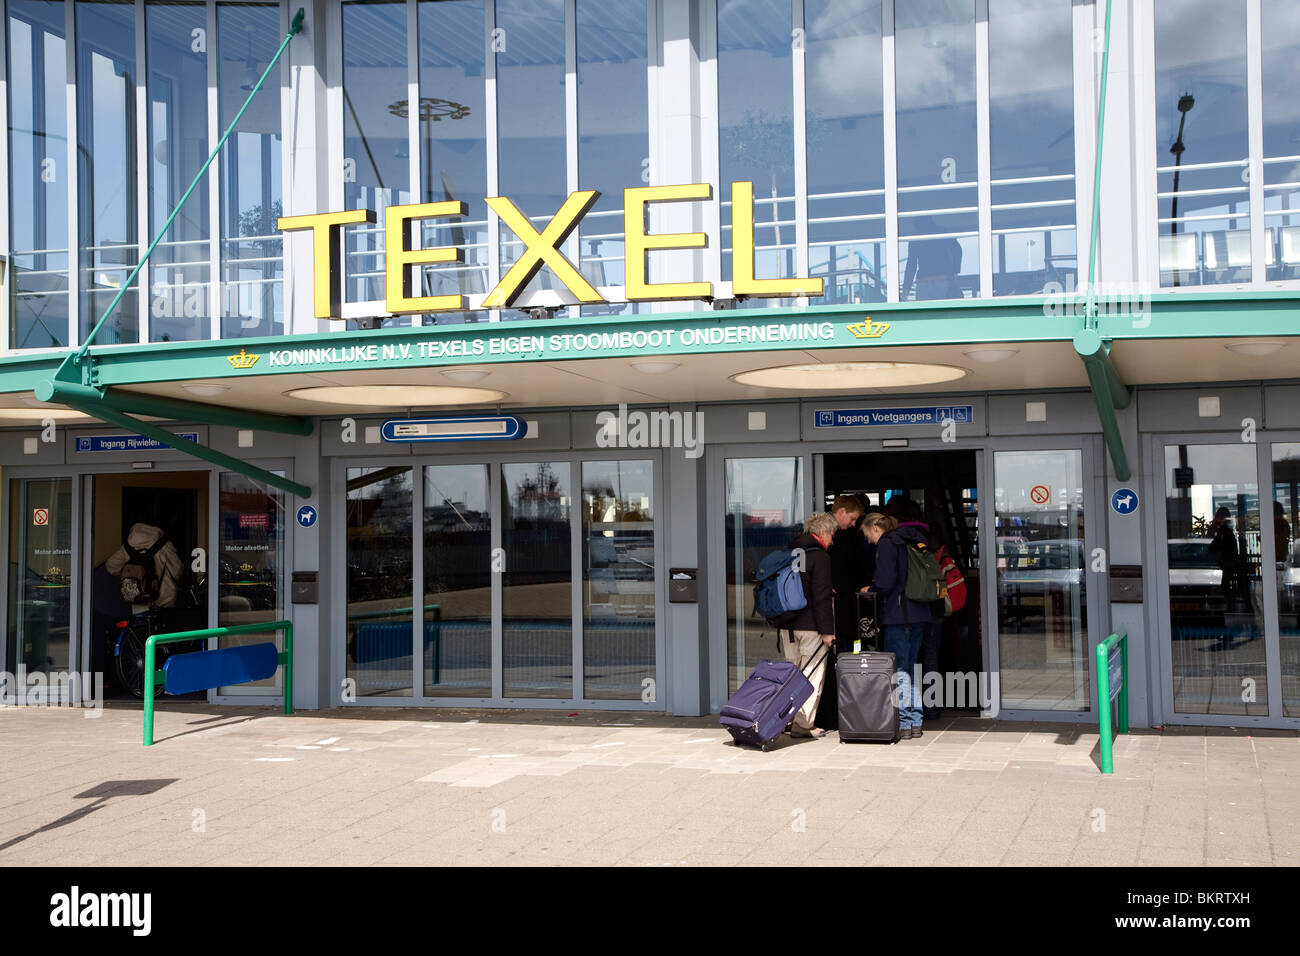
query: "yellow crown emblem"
245, 567
243, 359
866, 329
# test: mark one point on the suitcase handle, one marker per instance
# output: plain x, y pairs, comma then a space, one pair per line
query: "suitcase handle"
826, 651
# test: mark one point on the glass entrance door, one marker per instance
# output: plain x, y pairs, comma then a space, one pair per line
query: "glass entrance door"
40, 578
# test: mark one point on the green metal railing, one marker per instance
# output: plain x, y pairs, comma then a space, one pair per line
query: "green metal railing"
1112, 660
153, 675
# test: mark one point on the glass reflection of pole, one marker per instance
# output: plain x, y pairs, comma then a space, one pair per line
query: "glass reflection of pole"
1185, 103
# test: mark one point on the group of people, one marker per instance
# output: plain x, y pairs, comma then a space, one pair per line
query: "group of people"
848, 552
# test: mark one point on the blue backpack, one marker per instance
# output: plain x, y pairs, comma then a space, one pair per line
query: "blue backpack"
779, 591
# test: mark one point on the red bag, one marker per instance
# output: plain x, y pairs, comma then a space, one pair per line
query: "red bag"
955, 597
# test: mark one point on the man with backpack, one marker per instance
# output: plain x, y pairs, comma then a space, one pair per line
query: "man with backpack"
804, 632
147, 567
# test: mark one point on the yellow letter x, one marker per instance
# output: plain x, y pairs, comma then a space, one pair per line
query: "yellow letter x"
542, 249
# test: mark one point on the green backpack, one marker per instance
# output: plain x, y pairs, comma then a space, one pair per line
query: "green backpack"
925, 580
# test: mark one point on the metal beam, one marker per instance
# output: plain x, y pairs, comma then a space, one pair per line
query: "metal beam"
1109, 392
98, 410
158, 406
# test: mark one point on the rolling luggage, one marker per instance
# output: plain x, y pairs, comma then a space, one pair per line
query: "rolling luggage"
868, 697
761, 707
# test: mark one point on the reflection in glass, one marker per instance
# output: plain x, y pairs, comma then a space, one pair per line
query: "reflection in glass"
380, 642
38, 182
252, 250
1286, 560
1281, 111
376, 137
1200, 108
179, 301
250, 565
756, 131
613, 132
457, 582
453, 146
1042, 608
537, 596
40, 574
937, 204
106, 166
531, 123
1215, 607
765, 511
845, 147
618, 588
1031, 143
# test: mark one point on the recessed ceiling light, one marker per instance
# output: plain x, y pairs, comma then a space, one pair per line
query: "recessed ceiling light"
57, 412
1255, 349
991, 354
205, 388
849, 375
466, 375
396, 396
655, 368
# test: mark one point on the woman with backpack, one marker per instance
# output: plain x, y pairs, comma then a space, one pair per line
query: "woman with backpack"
903, 620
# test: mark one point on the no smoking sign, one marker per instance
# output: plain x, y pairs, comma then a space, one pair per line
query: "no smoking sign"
41, 516
1040, 494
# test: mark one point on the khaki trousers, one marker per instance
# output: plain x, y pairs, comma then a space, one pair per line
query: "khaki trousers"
806, 646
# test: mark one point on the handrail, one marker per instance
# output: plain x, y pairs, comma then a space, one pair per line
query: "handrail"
1105, 694
151, 675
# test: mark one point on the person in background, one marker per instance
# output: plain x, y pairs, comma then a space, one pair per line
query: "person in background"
909, 515
167, 564
1281, 533
902, 619
815, 623
848, 568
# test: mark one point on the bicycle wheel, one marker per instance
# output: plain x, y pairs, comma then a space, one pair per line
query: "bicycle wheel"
130, 663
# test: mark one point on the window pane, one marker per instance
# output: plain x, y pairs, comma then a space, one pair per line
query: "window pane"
845, 146
380, 642
453, 145
179, 299
40, 574
1281, 64
106, 166
537, 589
252, 250
1201, 114
756, 130
1286, 547
457, 582
1042, 606
530, 111
613, 132
1031, 137
251, 569
618, 592
1215, 606
935, 102
765, 511
38, 181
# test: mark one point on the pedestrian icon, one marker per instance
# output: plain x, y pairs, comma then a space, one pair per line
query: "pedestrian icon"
1124, 501
306, 516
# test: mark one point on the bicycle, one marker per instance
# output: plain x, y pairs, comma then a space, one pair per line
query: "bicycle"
129, 646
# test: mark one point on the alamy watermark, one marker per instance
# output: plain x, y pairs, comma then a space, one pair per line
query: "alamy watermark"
656, 429
53, 689
1116, 299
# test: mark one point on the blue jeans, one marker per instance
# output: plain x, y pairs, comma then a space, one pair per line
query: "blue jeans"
904, 642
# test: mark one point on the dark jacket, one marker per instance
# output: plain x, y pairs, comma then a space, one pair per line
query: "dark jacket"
819, 615
890, 580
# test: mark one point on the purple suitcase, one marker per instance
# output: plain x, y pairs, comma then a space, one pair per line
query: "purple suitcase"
761, 707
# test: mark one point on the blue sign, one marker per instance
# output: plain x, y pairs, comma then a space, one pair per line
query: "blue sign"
479, 428
91, 443
306, 516
869, 417
1124, 501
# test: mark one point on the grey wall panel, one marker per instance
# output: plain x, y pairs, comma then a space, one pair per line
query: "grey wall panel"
731, 423
1180, 409
79, 446
23, 446
1050, 413
366, 439
811, 432
652, 432
1282, 406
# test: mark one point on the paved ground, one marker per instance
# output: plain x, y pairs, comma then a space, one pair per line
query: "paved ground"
226, 786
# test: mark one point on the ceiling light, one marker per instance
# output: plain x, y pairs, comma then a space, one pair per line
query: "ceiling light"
655, 368
991, 355
1255, 349
396, 396
844, 375
57, 412
206, 389
466, 375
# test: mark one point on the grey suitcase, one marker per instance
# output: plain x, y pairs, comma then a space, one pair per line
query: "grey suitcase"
868, 697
